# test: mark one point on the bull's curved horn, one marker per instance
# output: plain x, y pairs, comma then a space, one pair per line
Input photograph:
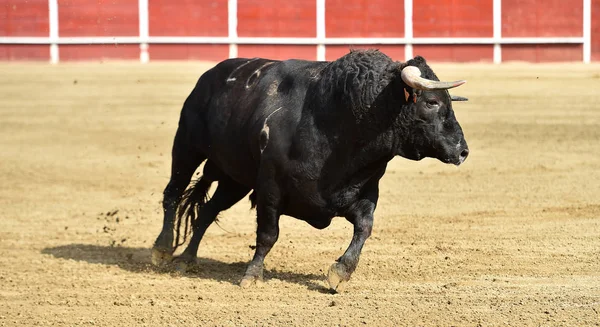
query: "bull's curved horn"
411, 75
458, 98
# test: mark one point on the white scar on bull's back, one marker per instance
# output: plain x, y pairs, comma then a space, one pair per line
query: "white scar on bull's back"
273, 88
254, 77
264, 132
314, 73
230, 78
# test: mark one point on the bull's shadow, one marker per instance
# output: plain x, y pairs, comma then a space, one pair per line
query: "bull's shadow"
138, 260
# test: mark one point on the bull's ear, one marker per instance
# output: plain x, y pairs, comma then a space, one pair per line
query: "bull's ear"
458, 98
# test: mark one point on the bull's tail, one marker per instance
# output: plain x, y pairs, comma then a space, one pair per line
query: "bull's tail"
188, 209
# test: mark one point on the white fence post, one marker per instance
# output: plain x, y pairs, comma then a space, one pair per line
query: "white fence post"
144, 30
321, 51
497, 13
232, 22
408, 29
587, 31
53, 30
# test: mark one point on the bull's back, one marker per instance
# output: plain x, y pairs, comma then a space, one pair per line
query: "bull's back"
237, 96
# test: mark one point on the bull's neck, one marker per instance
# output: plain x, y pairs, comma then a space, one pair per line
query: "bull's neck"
345, 126
342, 150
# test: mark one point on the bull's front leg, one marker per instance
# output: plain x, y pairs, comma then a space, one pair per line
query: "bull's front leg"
361, 216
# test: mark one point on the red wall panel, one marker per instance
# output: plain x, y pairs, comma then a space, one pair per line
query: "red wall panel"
457, 18
99, 51
188, 18
596, 30
98, 17
211, 52
292, 18
455, 53
297, 18
542, 52
543, 18
396, 52
23, 18
278, 52
365, 18
24, 52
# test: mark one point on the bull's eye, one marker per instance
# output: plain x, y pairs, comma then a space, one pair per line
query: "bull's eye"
433, 104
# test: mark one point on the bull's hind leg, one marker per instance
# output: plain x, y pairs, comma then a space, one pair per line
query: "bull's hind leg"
227, 194
185, 160
267, 231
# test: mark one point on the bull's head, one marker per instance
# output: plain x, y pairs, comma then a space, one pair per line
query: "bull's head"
428, 116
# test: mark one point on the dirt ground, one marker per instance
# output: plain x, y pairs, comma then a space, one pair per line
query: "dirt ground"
511, 238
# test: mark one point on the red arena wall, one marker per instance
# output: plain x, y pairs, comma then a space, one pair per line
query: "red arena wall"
548, 18
359, 19
467, 18
281, 18
26, 22
98, 18
24, 19
596, 30
19, 18
188, 18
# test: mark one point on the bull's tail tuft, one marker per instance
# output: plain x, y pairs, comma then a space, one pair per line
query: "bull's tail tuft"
188, 209
252, 198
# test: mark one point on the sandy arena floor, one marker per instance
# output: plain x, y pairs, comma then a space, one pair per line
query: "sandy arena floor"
511, 238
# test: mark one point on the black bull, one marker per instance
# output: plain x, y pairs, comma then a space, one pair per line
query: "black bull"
310, 139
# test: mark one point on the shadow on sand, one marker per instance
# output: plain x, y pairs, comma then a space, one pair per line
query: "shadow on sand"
138, 260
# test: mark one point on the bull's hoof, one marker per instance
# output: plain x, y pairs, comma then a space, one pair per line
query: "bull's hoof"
184, 264
249, 281
337, 278
161, 257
